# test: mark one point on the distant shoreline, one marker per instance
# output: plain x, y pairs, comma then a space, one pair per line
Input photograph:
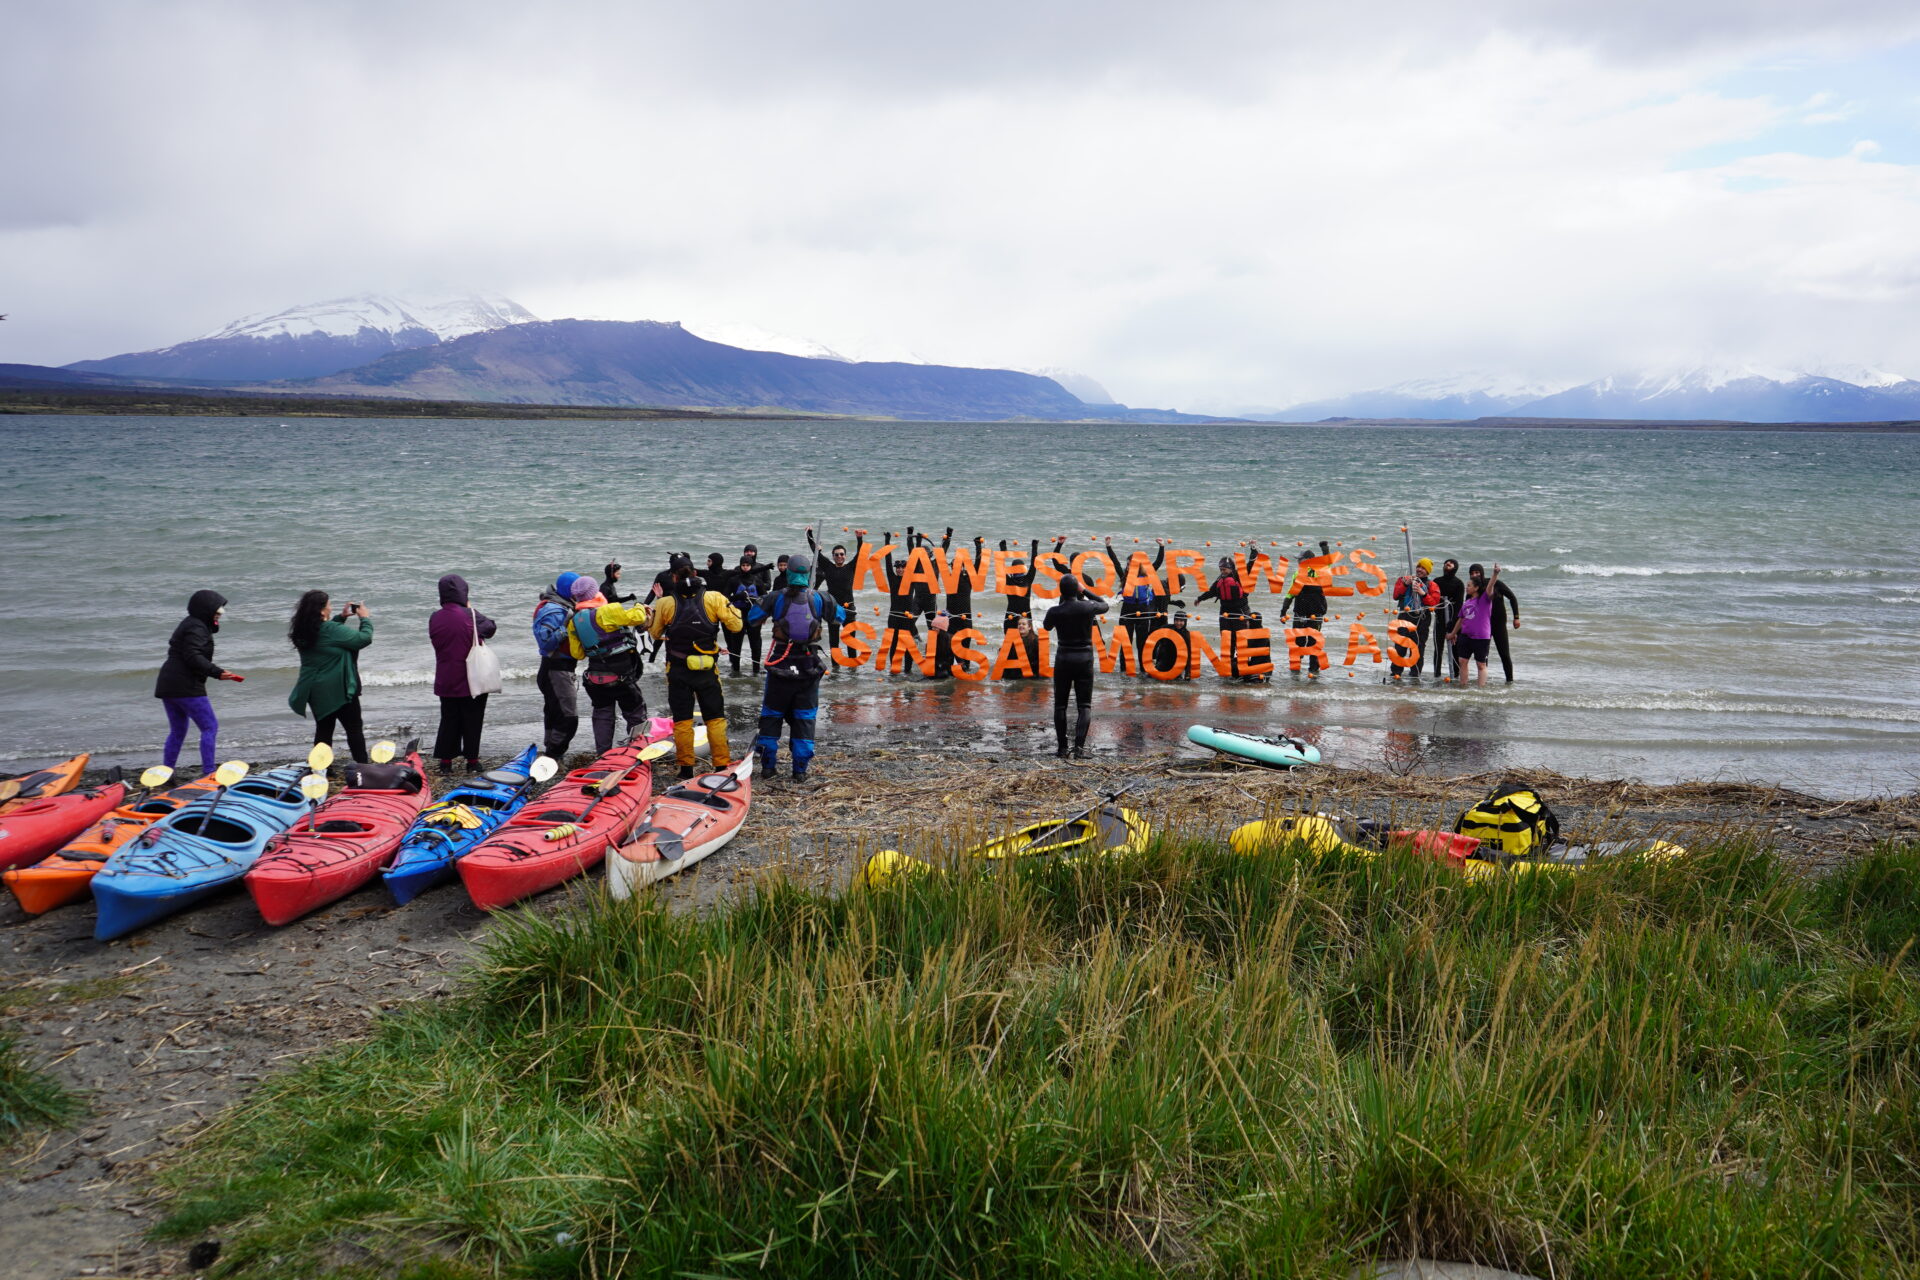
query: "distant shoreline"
24, 401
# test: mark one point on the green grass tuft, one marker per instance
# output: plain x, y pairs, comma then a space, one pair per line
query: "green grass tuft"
28, 1097
1188, 1061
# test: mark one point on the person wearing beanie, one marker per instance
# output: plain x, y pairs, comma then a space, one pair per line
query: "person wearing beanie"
182, 683
604, 635
1307, 601
558, 677
1072, 621
799, 613
690, 619
1415, 597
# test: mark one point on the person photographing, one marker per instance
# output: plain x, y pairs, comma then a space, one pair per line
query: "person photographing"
689, 619
1072, 622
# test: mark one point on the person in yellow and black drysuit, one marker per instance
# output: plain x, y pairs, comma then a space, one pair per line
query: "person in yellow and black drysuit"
690, 618
605, 637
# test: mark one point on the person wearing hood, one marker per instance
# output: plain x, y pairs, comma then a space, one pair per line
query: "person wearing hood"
559, 684
750, 581
1447, 619
454, 628
604, 635
1073, 621
182, 683
690, 620
799, 614
329, 683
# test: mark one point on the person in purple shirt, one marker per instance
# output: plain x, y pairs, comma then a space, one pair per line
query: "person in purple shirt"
452, 629
1472, 634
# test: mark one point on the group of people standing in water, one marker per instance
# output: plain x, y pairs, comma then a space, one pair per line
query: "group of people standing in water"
778, 617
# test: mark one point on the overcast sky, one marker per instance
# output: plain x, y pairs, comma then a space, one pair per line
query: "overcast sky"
1204, 205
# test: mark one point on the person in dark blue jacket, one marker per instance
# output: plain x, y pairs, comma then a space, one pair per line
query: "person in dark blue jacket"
799, 614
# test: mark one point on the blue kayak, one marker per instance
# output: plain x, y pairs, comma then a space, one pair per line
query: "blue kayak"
455, 824
196, 850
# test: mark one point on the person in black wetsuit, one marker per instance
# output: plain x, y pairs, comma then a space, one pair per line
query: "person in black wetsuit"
663, 580
1502, 597
902, 615
1072, 622
959, 611
1142, 608
1452, 592
836, 576
925, 604
1308, 605
1021, 606
750, 584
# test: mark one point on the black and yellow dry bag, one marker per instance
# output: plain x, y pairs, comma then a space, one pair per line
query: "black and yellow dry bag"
1514, 821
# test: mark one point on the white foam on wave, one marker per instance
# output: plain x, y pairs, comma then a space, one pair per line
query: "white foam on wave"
1534, 698
401, 679
1695, 571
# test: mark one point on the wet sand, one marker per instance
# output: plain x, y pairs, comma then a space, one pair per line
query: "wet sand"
162, 1030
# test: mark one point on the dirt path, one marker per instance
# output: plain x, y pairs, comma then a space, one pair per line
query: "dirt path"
163, 1030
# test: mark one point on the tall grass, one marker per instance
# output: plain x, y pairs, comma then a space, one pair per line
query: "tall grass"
1190, 1061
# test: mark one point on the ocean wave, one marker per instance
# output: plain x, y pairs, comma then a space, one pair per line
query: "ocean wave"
1713, 700
402, 679
1694, 571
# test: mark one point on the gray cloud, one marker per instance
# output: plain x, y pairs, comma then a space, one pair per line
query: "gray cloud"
1210, 202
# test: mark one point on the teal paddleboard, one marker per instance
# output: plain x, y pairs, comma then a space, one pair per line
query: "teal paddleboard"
1284, 753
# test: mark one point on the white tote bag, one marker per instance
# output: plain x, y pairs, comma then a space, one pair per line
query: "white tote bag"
483, 668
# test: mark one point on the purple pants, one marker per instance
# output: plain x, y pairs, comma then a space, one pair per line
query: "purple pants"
200, 711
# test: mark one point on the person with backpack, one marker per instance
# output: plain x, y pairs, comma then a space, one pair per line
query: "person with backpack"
836, 575
794, 666
1473, 633
1308, 604
182, 683
1236, 609
959, 611
1073, 621
748, 581
604, 635
1415, 596
1141, 608
689, 619
557, 679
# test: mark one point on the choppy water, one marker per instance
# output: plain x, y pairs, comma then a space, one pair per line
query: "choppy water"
1735, 604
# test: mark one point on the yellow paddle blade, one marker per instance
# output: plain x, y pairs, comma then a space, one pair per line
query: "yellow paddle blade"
657, 750
320, 757
383, 752
544, 767
314, 786
155, 775
231, 772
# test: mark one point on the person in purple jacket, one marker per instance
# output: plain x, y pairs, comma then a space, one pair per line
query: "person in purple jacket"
452, 629
1473, 633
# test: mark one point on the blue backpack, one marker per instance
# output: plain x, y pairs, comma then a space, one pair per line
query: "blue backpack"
796, 621
1142, 595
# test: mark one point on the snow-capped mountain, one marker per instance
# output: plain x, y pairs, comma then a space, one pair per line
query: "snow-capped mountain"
1456, 398
1721, 392
751, 337
1083, 388
1733, 393
318, 338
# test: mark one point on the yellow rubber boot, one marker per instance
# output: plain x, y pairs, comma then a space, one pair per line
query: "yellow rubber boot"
717, 744
683, 743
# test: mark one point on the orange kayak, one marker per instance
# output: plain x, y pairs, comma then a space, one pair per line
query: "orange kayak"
50, 781
64, 877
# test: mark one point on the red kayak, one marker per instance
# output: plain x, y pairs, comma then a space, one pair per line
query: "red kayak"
561, 834
343, 843
32, 829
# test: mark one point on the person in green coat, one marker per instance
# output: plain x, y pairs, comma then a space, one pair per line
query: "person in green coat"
329, 683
